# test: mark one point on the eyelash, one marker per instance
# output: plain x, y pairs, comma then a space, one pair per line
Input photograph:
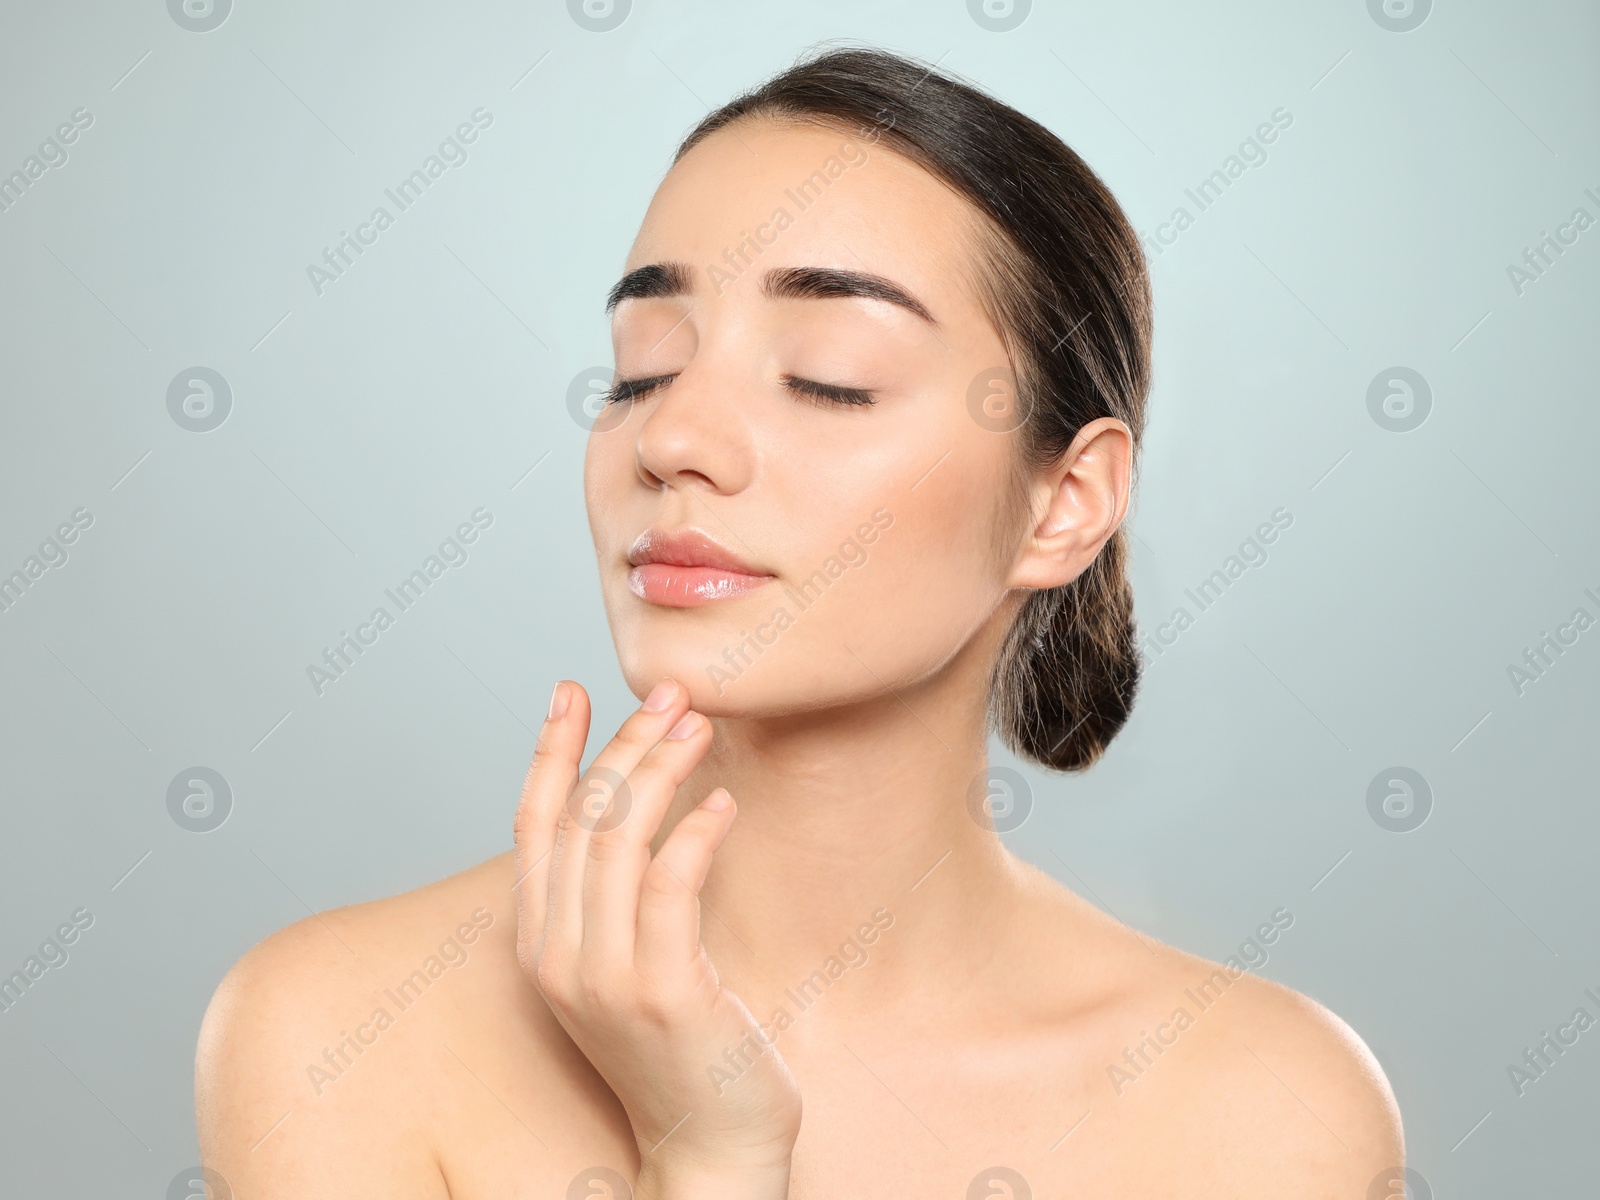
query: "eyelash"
820, 394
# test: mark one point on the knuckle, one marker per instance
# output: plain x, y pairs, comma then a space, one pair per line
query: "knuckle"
568, 820
540, 760
662, 883
528, 958
593, 989
522, 820
599, 803
638, 730
573, 983
650, 776
667, 994
551, 976
655, 1007
611, 845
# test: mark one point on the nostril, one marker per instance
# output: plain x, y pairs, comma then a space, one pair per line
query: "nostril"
659, 474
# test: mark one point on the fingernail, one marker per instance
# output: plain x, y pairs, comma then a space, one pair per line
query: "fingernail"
559, 699
662, 697
686, 725
717, 801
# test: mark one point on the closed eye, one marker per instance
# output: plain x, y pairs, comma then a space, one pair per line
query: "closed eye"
820, 394
827, 393
632, 389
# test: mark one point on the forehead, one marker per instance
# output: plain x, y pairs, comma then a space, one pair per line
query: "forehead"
757, 195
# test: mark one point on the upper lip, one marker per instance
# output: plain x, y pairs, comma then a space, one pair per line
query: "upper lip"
686, 548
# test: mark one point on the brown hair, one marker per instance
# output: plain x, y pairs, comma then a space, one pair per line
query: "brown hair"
1066, 285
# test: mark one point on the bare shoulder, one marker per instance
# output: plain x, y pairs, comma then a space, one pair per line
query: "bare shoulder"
1255, 1089
321, 1040
1275, 1062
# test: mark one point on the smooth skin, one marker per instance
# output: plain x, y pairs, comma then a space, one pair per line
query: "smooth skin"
610, 933
941, 1009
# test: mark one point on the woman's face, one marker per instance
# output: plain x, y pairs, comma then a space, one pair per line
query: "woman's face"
873, 525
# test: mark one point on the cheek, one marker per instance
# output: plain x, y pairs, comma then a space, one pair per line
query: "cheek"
889, 611
607, 460
928, 491
589, 481
932, 572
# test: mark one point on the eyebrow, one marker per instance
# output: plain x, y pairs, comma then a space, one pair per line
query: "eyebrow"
777, 283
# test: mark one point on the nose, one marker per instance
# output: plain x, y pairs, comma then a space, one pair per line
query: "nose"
694, 434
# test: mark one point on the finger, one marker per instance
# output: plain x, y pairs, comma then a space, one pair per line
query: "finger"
619, 856
668, 938
550, 779
602, 799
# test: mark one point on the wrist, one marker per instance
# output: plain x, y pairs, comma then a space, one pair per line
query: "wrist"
693, 1181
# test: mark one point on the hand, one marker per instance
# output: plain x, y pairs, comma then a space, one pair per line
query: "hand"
611, 937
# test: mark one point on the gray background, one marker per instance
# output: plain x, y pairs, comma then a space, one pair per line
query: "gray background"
431, 379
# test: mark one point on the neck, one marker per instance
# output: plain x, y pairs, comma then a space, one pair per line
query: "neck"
855, 852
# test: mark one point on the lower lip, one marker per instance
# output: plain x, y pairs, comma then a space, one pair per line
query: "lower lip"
688, 587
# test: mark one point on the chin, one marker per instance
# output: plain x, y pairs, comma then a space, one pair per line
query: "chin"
735, 661
713, 689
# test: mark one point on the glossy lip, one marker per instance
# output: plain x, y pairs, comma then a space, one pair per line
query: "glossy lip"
686, 568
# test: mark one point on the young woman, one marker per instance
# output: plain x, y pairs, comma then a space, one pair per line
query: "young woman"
882, 347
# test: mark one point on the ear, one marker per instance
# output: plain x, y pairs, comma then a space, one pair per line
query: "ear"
1083, 499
